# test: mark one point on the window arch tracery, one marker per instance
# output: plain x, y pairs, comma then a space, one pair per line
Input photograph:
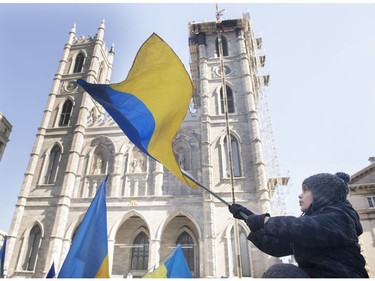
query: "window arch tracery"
236, 157
66, 113
187, 243
79, 63
32, 250
244, 250
52, 165
230, 100
139, 254
224, 44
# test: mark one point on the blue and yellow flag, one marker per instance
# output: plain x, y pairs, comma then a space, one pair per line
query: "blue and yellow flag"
88, 254
2, 257
175, 266
151, 103
51, 273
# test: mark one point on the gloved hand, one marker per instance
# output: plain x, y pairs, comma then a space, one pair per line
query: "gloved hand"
235, 209
256, 222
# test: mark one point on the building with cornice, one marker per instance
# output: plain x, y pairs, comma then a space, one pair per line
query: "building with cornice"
362, 196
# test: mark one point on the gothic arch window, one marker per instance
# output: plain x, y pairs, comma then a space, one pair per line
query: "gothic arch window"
139, 255
187, 243
66, 113
33, 244
100, 160
79, 63
53, 165
224, 44
244, 252
230, 100
236, 161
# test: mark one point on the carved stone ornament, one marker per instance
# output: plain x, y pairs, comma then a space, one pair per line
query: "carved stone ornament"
70, 86
227, 70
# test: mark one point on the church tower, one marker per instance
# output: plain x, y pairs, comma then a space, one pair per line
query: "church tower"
41, 218
224, 70
149, 211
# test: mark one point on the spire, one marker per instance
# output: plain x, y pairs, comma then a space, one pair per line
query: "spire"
100, 34
112, 50
102, 25
73, 29
72, 34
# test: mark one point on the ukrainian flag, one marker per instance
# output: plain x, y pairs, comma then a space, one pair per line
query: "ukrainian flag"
175, 266
151, 103
2, 257
51, 273
88, 254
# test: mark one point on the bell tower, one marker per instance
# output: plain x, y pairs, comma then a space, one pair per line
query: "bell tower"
224, 73
46, 191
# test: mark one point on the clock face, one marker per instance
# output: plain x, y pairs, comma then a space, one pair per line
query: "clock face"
227, 70
71, 86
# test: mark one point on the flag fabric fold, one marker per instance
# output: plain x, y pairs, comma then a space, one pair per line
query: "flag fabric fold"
2, 257
175, 266
88, 254
51, 273
151, 103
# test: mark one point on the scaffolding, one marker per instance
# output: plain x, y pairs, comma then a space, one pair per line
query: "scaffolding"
276, 182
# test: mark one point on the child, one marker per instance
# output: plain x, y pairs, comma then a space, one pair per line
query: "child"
323, 240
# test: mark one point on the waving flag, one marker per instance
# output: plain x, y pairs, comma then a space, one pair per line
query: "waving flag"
151, 103
2, 257
175, 266
88, 254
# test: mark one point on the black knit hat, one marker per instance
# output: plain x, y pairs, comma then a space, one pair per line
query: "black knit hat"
328, 189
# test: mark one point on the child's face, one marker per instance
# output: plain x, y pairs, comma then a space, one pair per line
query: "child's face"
305, 198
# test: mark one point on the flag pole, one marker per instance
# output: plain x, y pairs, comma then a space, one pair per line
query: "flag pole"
190, 177
228, 135
205, 188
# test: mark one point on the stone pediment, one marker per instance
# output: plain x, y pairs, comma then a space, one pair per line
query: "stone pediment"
364, 176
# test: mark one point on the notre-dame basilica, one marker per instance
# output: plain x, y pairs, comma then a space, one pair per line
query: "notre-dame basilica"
149, 210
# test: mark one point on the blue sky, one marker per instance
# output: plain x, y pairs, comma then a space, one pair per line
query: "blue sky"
321, 60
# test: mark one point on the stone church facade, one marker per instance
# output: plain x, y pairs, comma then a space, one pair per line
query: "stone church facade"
149, 210
362, 197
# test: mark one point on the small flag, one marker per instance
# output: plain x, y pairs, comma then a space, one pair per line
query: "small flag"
151, 103
51, 273
175, 266
88, 254
2, 257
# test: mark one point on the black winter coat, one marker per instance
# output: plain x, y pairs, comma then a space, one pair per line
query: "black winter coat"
323, 242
